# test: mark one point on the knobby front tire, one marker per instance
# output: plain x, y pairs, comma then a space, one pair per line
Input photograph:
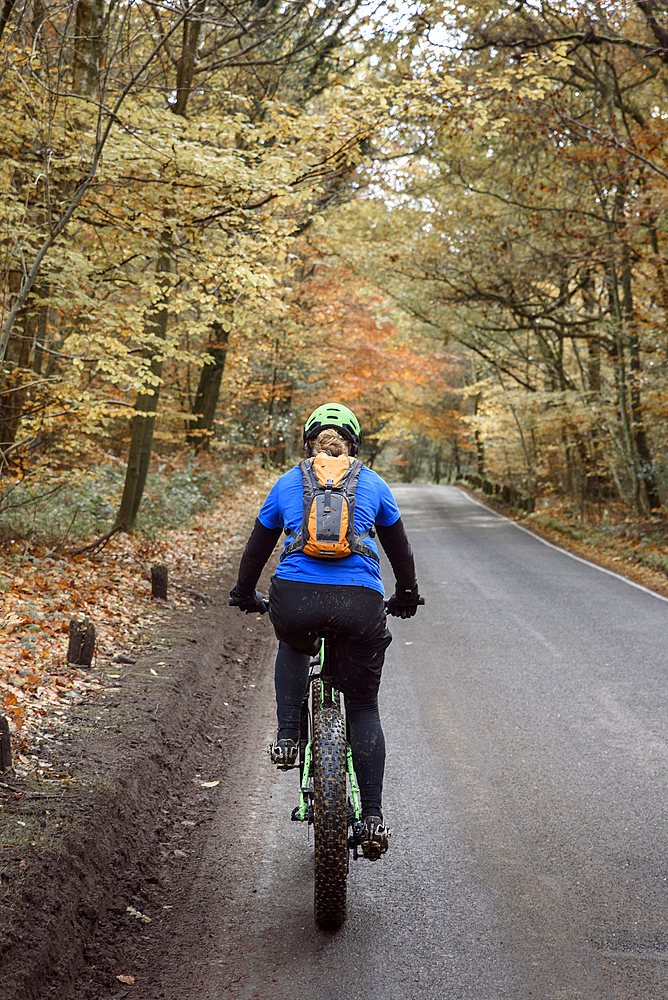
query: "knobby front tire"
330, 813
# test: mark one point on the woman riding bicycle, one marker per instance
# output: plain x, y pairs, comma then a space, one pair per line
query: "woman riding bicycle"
309, 593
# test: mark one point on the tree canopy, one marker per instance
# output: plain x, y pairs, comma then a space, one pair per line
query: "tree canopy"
449, 216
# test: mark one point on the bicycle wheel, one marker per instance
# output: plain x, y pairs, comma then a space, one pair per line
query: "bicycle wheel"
330, 813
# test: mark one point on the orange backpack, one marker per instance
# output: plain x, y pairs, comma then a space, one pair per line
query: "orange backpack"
328, 519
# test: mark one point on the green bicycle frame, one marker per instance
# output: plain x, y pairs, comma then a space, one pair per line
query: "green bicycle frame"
354, 787
303, 790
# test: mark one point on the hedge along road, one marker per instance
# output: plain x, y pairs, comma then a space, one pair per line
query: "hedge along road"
526, 716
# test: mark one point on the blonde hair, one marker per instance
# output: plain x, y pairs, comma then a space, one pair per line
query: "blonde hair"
330, 441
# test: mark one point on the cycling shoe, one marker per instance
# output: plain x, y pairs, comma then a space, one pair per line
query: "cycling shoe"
375, 837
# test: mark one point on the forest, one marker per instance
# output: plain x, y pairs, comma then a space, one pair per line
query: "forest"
450, 216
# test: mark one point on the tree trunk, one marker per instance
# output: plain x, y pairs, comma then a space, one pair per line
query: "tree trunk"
89, 46
479, 444
593, 344
19, 359
621, 382
438, 455
208, 391
645, 472
5, 14
186, 64
139, 456
660, 273
146, 407
280, 406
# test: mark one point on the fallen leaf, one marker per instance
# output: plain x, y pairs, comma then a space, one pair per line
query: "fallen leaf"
38, 601
209, 784
128, 980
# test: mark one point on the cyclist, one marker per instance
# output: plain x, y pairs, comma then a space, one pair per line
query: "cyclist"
346, 594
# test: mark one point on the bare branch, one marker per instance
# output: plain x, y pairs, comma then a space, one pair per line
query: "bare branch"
81, 189
99, 543
612, 140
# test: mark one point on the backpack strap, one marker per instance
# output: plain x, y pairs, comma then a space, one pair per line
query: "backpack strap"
310, 485
349, 483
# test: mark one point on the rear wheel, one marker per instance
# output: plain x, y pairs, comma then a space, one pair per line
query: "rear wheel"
330, 813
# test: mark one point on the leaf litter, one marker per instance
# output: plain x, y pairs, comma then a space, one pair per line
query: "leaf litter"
41, 593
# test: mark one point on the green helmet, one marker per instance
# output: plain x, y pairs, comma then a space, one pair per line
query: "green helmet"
340, 418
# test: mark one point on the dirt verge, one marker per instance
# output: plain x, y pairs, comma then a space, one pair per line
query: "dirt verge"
135, 771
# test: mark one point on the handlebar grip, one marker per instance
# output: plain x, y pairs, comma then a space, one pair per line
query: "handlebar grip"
233, 604
420, 602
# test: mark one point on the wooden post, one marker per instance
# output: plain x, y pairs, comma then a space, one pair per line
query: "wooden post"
159, 575
5, 745
82, 642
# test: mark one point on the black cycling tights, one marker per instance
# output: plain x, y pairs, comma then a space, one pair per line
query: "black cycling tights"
366, 735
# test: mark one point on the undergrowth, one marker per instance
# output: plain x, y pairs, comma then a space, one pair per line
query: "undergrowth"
643, 541
85, 502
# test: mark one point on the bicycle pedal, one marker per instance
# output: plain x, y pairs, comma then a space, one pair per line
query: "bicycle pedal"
284, 754
374, 838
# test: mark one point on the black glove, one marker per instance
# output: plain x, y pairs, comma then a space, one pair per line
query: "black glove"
250, 603
404, 603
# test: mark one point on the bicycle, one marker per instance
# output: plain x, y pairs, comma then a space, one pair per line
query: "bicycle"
329, 796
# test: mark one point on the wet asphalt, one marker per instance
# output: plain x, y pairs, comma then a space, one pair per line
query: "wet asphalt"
525, 710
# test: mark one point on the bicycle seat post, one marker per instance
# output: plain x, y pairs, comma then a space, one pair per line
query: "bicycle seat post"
326, 672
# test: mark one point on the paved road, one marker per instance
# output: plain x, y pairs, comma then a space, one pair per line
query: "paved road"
526, 714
